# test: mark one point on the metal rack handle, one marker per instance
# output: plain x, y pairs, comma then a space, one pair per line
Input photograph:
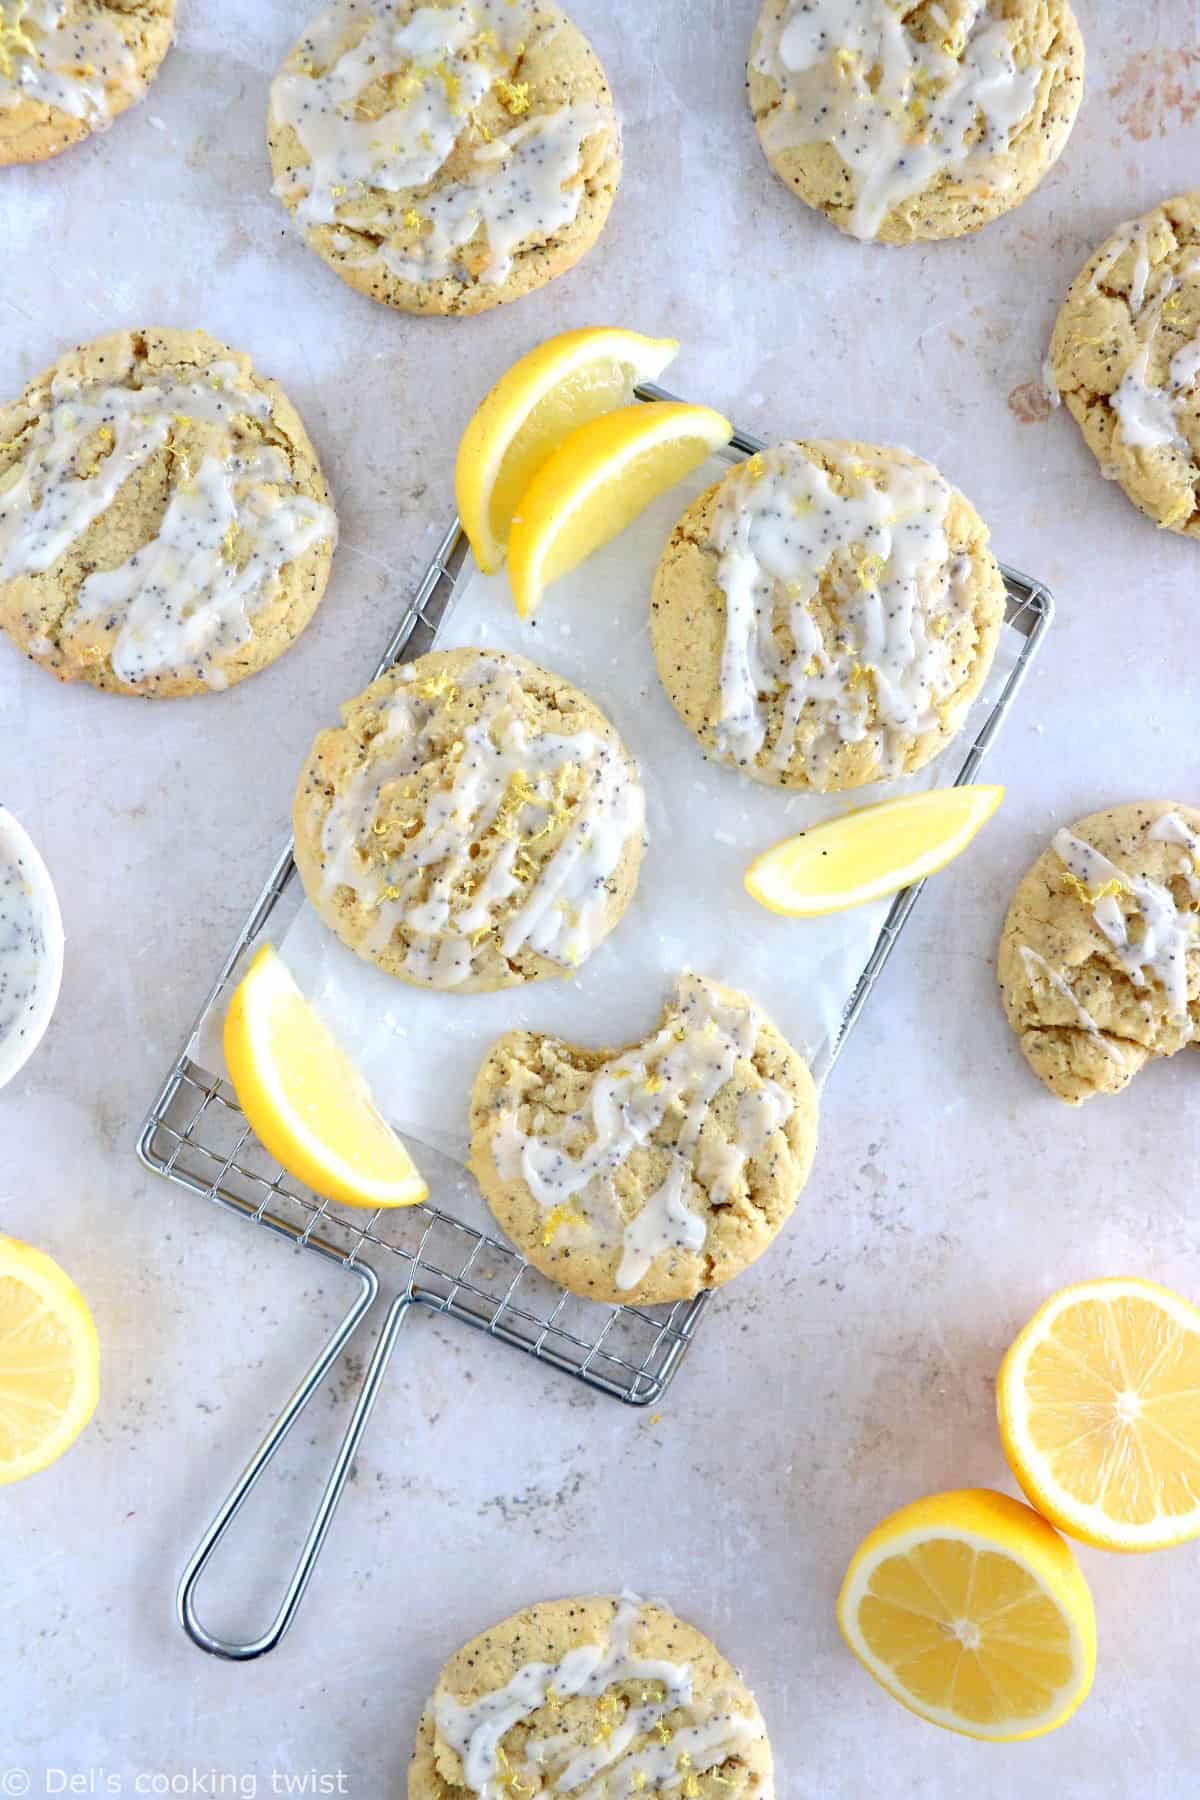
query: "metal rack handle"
233, 1650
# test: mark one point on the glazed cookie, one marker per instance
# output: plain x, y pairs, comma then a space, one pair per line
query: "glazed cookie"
165, 527
444, 157
906, 119
1125, 357
824, 616
594, 1698
474, 823
1099, 961
68, 67
648, 1173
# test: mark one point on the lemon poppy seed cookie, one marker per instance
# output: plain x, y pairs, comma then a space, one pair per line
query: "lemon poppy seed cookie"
648, 1173
593, 1697
68, 67
910, 119
165, 527
1099, 961
474, 823
447, 156
1125, 356
824, 615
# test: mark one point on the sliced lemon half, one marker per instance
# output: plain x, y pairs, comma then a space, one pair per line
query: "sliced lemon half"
1099, 1404
973, 1613
597, 482
49, 1361
307, 1103
558, 386
870, 853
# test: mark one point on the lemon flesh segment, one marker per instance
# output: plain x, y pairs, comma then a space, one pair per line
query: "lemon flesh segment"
1099, 1406
306, 1102
49, 1361
598, 481
558, 386
971, 1610
870, 853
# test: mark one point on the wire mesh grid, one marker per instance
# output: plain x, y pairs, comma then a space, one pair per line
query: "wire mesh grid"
196, 1135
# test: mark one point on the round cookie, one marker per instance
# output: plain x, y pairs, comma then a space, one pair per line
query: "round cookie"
646, 1174
474, 823
593, 1696
444, 157
165, 527
1099, 962
1125, 356
909, 119
824, 616
68, 67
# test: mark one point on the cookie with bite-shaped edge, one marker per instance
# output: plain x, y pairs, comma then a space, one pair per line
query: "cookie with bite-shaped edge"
645, 1174
904, 120
165, 528
1099, 963
475, 822
591, 1696
824, 615
69, 67
1125, 356
444, 157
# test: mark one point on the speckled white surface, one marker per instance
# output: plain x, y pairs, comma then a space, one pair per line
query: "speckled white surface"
849, 1371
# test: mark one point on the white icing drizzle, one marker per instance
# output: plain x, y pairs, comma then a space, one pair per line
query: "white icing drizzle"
520, 186
683, 1068
56, 55
778, 525
1166, 937
22, 948
562, 912
1037, 964
899, 111
1171, 829
1148, 415
612, 1767
183, 601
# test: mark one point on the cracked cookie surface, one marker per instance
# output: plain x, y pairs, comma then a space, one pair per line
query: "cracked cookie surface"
824, 616
1099, 961
913, 119
445, 157
1125, 356
593, 1697
165, 528
648, 1173
69, 67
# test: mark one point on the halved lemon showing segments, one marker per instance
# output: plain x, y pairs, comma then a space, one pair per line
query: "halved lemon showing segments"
870, 853
597, 482
49, 1361
972, 1612
307, 1103
558, 386
1099, 1404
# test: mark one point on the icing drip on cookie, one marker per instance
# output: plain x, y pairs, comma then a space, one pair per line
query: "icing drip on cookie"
183, 601
1153, 939
1149, 413
383, 107
664, 1087
614, 1766
1035, 966
52, 54
468, 861
886, 666
900, 108
22, 949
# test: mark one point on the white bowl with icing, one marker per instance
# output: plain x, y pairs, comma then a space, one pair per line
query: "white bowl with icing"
31, 947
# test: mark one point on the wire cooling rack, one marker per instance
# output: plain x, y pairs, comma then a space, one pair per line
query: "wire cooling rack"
196, 1135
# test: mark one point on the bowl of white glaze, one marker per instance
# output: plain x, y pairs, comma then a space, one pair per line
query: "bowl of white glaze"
31, 947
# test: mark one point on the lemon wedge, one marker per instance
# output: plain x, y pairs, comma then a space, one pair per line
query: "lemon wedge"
307, 1103
867, 854
1099, 1404
559, 385
972, 1612
597, 482
49, 1361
